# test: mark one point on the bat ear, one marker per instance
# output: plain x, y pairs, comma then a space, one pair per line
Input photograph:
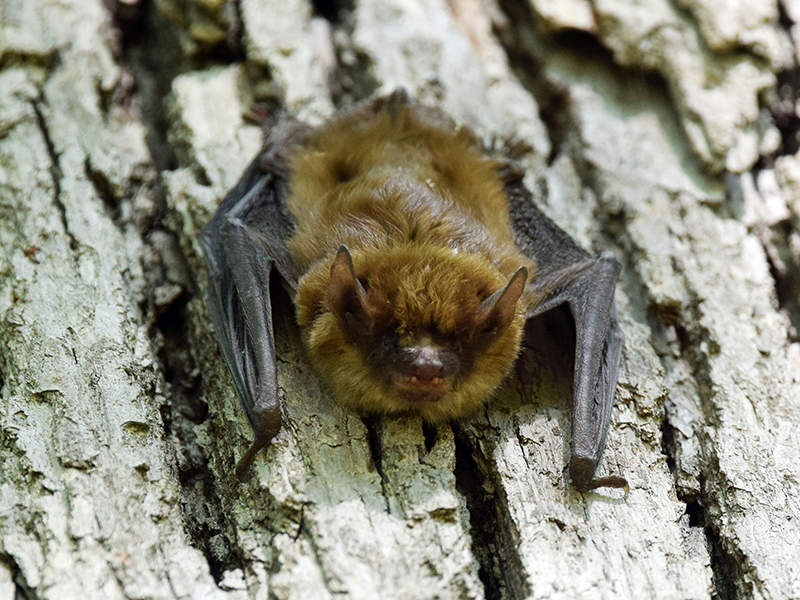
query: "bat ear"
347, 298
498, 310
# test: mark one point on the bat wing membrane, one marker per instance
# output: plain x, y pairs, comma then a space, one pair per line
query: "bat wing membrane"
241, 244
567, 274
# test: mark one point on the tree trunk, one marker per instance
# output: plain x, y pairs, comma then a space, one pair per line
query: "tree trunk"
663, 132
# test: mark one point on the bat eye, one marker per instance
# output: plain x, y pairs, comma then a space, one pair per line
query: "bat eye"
364, 283
342, 172
390, 342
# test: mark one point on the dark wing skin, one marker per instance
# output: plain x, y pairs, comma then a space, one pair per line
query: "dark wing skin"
567, 274
241, 244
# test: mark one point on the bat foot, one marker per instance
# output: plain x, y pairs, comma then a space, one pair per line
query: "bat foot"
612, 481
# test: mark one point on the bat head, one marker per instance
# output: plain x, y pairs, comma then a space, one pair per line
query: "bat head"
412, 328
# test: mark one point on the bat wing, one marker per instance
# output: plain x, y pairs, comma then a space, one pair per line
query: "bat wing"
567, 274
241, 244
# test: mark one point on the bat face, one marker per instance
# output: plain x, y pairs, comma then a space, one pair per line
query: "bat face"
411, 328
415, 260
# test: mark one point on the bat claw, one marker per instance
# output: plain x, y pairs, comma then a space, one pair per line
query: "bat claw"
581, 472
611, 481
246, 462
269, 423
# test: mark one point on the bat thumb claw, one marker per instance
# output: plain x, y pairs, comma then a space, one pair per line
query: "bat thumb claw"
612, 481
244, 464
268, 423
581, 473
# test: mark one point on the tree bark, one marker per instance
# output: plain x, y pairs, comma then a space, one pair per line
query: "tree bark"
664, 132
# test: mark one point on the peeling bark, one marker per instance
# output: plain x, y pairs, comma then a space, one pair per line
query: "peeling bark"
665, 132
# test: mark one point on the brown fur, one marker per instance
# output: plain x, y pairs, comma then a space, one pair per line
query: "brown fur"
424, 216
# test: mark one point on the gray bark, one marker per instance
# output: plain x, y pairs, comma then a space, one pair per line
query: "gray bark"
664, 132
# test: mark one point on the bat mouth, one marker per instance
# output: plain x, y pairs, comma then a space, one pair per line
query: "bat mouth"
416, 389
422, 373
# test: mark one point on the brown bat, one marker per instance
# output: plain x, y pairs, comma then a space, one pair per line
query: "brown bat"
414, 260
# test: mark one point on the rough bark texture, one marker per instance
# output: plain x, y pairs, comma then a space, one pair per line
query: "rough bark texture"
663, 131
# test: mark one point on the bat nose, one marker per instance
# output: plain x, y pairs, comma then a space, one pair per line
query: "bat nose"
427, 365
424, 375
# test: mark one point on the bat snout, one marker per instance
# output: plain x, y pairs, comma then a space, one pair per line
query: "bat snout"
428, 371
425, 373
426, 363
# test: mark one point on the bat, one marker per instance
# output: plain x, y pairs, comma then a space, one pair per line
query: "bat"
414, 259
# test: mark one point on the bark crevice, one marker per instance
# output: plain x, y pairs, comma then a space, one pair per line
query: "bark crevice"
373, 426
151, 49
494, 541
55, 173
22, 589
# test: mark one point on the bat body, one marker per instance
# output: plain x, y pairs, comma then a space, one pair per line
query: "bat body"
414, 260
